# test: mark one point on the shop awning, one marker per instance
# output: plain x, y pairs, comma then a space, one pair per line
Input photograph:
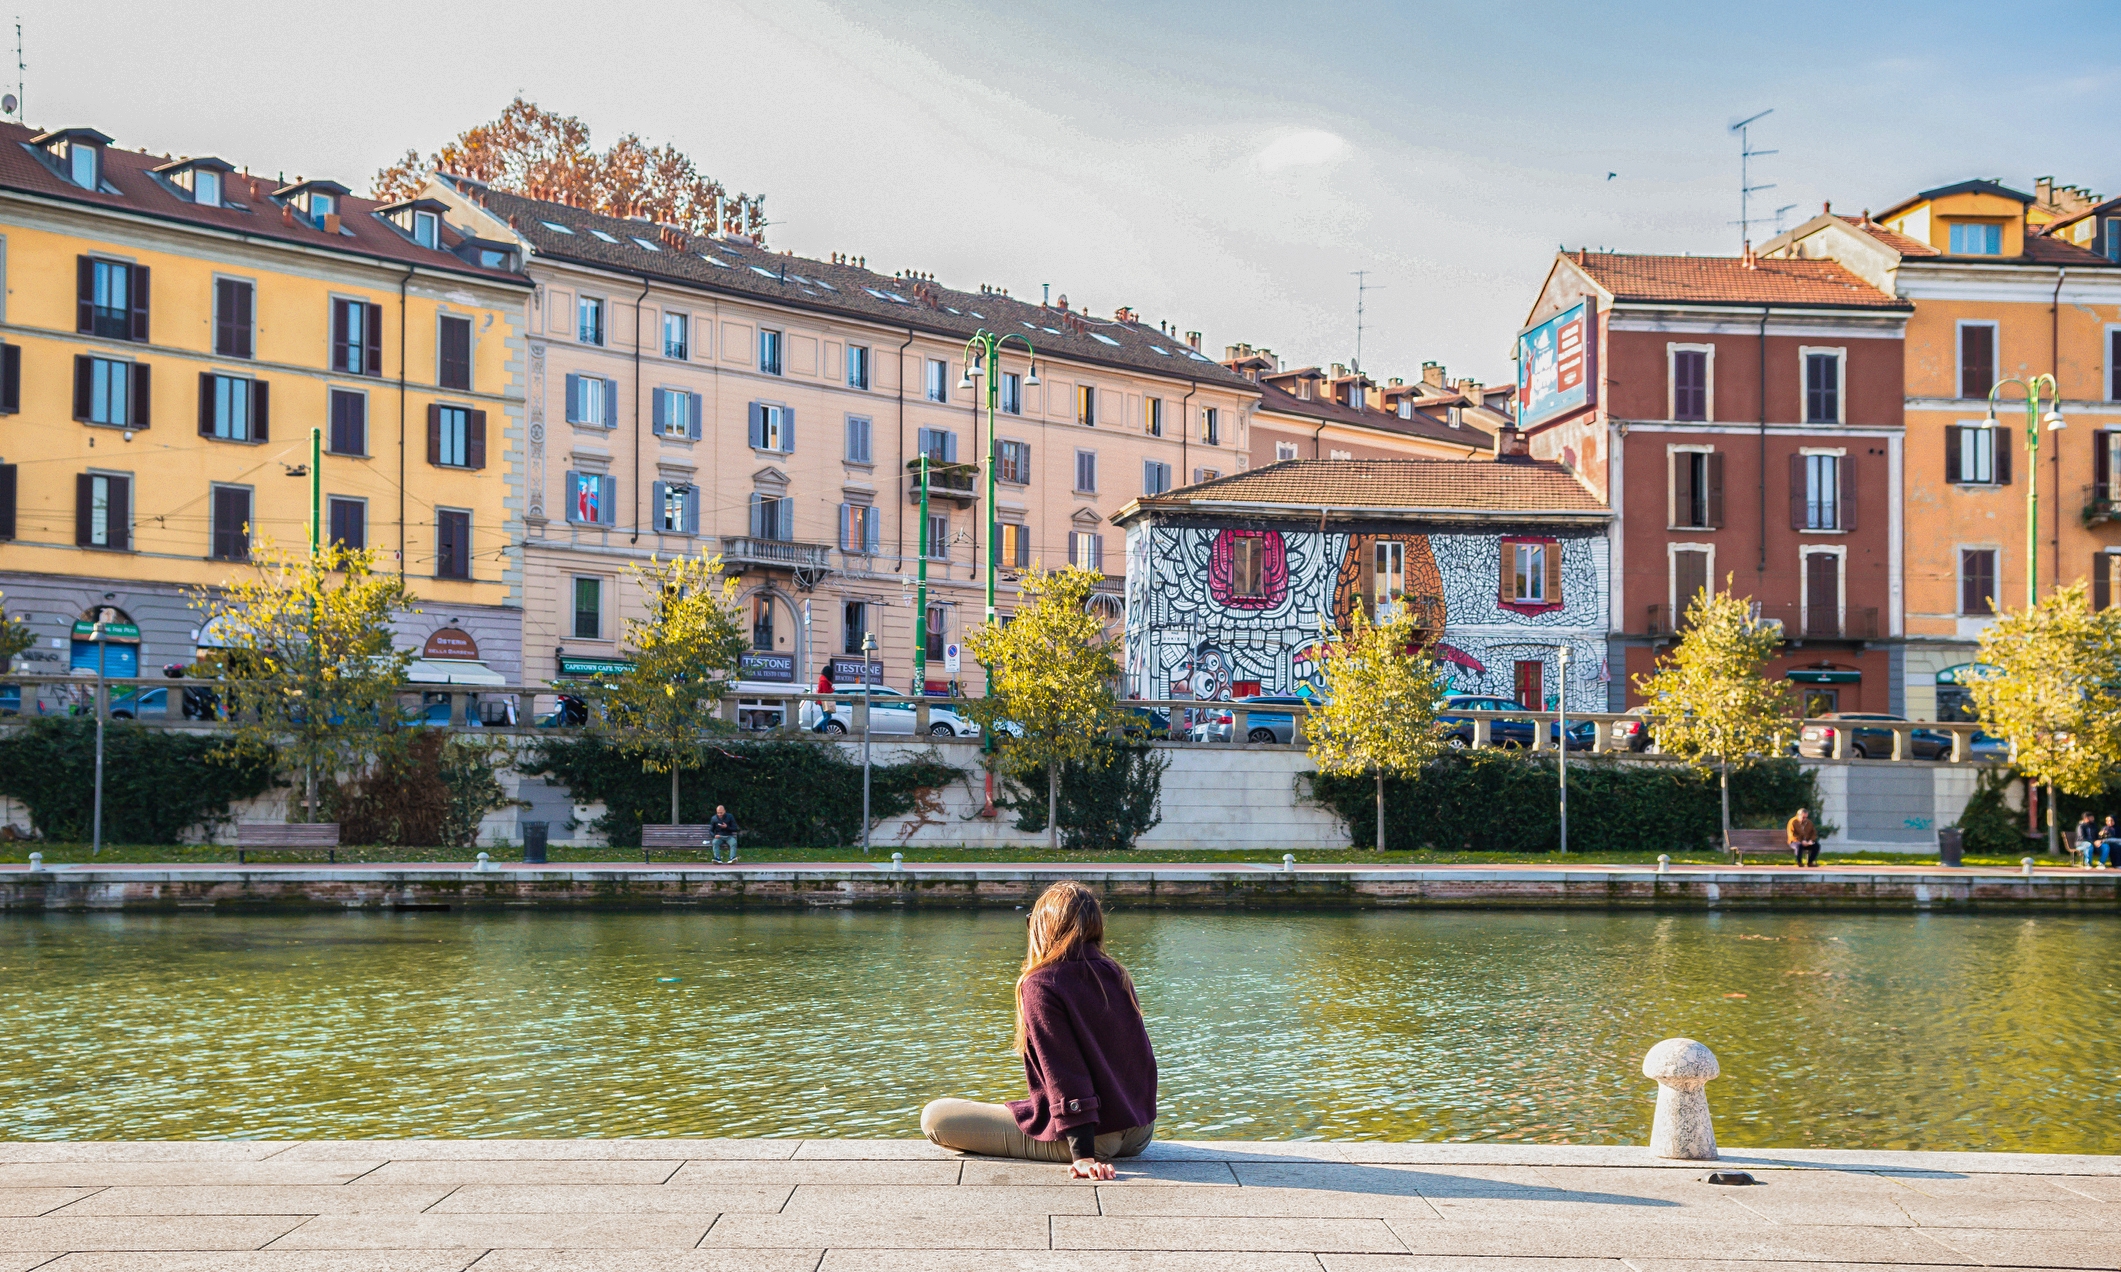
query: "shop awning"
1817, 676
1964, 673
451, 671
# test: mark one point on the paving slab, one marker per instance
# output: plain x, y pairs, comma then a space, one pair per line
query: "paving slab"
89, 1232
1129, 1172
21, 1203
2022, 1249
537, 1150
1433, 1263
261, 1199
24, 1260
142, 1150
807, 1171
1605, 1238
1263, 1203
207, 1171
1064, 1261
651, 1261
609, 1199
270, 1261
519, 1171
496, 1232
1194, 1233
849, 1201
881, 1232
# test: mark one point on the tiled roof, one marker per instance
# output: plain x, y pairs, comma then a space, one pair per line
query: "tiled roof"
1728, 280
1441, 486
741, 267
1899, 242
2040, 248
142, 193
1281, 402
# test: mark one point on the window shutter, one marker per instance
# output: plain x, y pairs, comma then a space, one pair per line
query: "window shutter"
847, 528
692, 510
85, 294
121, 516
1097, 552
659, 411
657, 492
608, 504
1953, 440
1553, 555
611, 403
1506, 559
260, 411
84, 370
2102, 467
10, 379
1714, 465
372, 341
84, 497
788, 430
7, 501
692, 417
475, 448
2002, 457
139, 298
339, 360
434, 433
1023, 546
206, 404
574, 398
143, 394
1845, 469
2102, 581
1073, 536
758, 426
1796, 491
1682, 468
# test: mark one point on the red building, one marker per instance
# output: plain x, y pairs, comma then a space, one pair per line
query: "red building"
1742, 417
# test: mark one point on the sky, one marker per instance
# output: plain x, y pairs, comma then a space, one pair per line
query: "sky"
1227, 168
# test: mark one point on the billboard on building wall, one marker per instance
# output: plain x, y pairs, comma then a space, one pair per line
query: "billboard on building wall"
1557, 366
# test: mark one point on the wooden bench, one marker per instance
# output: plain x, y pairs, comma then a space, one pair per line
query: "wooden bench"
674, 838
287, 837
1758, 842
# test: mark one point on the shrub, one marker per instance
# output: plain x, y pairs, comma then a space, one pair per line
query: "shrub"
424, 789
1106, 802
157, 783
1988, 827
784, 794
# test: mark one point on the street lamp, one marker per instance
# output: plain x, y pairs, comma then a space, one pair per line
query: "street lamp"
981, 351
867, 698
2033, 419
97, 634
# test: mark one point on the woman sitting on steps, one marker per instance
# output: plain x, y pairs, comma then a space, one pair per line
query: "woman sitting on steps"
1086, 1053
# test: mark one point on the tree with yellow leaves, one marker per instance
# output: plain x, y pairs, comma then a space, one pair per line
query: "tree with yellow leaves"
15, 636
685, 652
2049, 689
1052, 667
1712, 703
1379, 713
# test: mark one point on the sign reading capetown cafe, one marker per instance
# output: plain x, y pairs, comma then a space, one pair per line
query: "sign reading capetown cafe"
1557, 366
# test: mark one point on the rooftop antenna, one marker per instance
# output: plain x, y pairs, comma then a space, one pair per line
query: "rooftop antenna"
16, 102
1780, 213
1362, 284
1746, 189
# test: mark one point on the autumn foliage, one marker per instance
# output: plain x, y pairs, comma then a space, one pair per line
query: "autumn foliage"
542, 155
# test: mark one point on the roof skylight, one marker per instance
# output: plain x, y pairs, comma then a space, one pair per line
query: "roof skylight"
874, 292
556, 227
717, 264
767, 272
1159, 349
606, 237
1099, 335
645, 243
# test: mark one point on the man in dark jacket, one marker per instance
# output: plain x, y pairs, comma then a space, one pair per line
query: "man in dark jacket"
723, 830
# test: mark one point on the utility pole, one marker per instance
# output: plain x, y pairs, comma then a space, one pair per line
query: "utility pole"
1746, 188
920, 592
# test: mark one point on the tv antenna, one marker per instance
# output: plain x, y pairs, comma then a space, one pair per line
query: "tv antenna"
13, 105
1746, 188
1362, 284
1780, 213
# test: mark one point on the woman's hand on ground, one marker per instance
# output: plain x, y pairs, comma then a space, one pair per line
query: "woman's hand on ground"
1090, 1168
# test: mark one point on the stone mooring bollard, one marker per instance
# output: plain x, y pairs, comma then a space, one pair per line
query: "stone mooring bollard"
1682, 1129
1664, 863
2025, 866
486, 862
36, 861
1288, 863
898, 861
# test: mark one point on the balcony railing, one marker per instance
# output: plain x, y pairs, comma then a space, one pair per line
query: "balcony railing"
958, 483
1860, 622
784, 553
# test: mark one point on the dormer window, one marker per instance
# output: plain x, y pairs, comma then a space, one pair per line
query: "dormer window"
496, 258
426, 229
1406, 408
206, 188
82, 165
203, 179
1303, 389
1976, 238
321, 205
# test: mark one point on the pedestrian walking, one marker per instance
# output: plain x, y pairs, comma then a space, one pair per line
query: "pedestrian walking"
722, 829
824, 686
1804, 838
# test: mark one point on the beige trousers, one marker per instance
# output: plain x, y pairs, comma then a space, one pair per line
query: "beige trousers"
991, 1131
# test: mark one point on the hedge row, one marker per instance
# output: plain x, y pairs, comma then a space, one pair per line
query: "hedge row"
157, 783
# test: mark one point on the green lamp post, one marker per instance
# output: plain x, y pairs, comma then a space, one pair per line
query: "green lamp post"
982, 355
2033, 419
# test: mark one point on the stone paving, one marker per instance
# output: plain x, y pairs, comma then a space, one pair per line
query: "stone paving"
785, 1205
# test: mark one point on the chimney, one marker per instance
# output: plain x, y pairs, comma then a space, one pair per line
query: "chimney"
1340, 370
331, 223
1432, 374
1064, 301
1827, 208
1469, 389
2044, 190
1192, 338
1747, 260
1511, 445
1124, 314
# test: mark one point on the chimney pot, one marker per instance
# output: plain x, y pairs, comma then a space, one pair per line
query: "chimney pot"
1432, 374
1193, 339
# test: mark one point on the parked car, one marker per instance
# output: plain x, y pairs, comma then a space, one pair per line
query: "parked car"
1867, 740
893, 712
1145, 722
1633, 734
1260, 726
1512, 734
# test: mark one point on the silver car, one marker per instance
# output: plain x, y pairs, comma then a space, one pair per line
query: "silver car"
890, 712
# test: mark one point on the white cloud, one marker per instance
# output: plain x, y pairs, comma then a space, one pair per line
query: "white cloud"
1305, 148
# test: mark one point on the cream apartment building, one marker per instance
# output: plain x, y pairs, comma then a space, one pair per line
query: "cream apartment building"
690, 394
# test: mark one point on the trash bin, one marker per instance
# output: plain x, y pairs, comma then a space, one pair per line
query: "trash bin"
534, 841
1948, 846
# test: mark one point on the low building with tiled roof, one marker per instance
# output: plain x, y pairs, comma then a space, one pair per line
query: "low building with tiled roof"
1340, 413
2004, 287
1233, 585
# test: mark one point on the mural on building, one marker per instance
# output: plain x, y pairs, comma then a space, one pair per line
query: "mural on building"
1194, 631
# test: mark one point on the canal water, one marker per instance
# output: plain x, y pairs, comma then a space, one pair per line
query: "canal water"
1940, 1032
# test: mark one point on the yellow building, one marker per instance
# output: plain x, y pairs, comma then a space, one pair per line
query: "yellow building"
174, 330
1998, 295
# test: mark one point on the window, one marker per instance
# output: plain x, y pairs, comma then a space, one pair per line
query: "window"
232, 318
854, 624
321, 205
1973, 456
1156, 478
938, 444
451, 435
426, 229
677, 336
1247, 562
1086, 471
588, 609
592, 499
860, 527
1822, 388
1823, 485
453, 352
938, 380
1822, 593
1697, 489
936, 632
592, 400
858, 434
589, 320
772, 428
349, 422
772, 517
677, 507
935, 545
762, 622
1977, 582
349, 522
857, 367
1086, 405
2106, 467
1531, 575
1976, 238
2113, 346
675, 413
10, 378
1211, 427
769, 351
1690, 384
81, 165
1012, 393
1977, 359
1204, 474
1528, 575
1284, 450
1406, 408
206, 187
2113, 238
1340, 454
452, 544
231, 523
1153, 416
1690, 578
112, 300
102, 511
1014, 462
1012, 546
1389, 580
232, 408
107, 391
1086, 548
356, 337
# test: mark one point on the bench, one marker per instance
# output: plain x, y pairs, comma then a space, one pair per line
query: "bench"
287, 837
1757, 842
674, 838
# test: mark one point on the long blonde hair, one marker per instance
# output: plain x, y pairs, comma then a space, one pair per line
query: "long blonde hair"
1066, 922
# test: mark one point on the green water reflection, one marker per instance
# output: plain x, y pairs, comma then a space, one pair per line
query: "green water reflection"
1905, 1032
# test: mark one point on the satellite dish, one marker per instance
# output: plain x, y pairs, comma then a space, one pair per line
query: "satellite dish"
7, 104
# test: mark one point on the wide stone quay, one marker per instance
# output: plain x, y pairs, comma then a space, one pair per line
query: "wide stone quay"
1546, 883
825, 1205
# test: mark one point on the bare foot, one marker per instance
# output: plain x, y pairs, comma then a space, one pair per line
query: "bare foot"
1091, 1168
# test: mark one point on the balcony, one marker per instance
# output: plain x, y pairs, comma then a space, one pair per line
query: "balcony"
2098, 510
1858, 623
955, 483
775, 554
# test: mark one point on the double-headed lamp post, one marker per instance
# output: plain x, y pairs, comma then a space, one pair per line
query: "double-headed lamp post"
982, 356
2033, 419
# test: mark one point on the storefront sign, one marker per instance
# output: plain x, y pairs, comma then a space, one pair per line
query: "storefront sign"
1823, 677
451, 642
776, 668
572, 668
85, 630
848, 671
1557, 366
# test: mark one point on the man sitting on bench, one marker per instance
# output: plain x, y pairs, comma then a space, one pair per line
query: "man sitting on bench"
1804, 838
722, 828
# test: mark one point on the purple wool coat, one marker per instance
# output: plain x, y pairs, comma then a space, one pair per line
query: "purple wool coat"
1086, 1056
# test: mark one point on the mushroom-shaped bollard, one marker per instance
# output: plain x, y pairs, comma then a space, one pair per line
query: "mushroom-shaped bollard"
898, 861
485, 862
36, 861
1664, 863
1288, 863
1682, 1130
